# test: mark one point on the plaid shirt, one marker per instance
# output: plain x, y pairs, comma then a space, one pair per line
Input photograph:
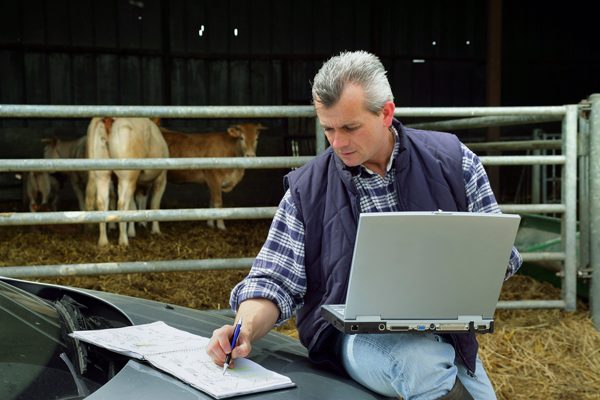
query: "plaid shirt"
278, 272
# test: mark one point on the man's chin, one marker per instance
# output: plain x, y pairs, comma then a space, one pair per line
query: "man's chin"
349, 161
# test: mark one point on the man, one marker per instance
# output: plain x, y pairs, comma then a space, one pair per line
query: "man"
374, 164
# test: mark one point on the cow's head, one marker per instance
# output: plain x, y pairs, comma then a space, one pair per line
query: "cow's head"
247, 134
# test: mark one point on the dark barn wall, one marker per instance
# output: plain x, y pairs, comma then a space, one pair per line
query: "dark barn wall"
150, 52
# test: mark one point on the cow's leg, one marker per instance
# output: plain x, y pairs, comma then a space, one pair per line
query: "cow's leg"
78, 191
127, 180
141, 200
90, 195
131, 224
90, 192
112, 201
102, 179
216, 201
156, 194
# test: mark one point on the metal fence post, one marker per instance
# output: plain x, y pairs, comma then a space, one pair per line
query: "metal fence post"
583, 140
594, 199
569, 198
319, 137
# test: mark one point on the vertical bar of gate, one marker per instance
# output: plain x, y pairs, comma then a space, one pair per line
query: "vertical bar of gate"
536, 174
319, 137
583, 139
594, 199
569, 198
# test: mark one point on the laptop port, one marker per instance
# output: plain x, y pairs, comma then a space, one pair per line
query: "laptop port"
354, 328
382, 327
453, 327
398, 328
432, 327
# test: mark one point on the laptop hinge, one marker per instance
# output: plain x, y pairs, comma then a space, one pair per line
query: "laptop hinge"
367, 318
469, 318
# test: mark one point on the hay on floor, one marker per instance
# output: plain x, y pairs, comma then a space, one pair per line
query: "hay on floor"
534, 354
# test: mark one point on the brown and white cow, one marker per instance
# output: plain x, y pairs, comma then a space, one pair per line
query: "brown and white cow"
40, 191
239, 141
124, 138
57, 148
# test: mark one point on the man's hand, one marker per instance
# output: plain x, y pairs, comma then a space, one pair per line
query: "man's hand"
259, 317
220, 345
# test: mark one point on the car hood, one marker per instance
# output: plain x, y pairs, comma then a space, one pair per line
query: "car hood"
137, 380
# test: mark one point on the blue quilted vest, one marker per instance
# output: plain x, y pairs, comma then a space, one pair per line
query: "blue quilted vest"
429, 177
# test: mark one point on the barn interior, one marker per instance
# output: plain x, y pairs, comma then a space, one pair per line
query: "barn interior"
465, 53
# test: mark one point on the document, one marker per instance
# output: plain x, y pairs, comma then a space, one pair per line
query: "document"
183, 355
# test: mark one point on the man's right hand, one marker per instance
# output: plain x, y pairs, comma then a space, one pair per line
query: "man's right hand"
220, 345
259, 317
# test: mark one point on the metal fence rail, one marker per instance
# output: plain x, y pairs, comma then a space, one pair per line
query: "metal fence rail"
483, 116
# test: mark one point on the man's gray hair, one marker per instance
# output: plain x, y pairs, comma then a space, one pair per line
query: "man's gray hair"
358, 67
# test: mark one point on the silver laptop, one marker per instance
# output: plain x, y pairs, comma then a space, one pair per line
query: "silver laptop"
425, 271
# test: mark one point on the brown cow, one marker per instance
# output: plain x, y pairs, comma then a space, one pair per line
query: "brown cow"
125, 138
57, 148
239, 141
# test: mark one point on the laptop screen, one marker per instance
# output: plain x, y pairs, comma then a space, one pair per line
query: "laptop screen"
429, 265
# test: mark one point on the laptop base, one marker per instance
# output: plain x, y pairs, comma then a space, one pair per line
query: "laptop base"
374, 324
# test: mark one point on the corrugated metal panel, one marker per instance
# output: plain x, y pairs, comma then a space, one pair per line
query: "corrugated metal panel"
84, 79
260, 24
79, 17
151, 81
239, 29
130, 88
61, 82
239, 85
156, 52
281, 14
107, 75
105, 24
36, 78
59, 24
300, 28
217, 28
33, 22
12, 73
11, 22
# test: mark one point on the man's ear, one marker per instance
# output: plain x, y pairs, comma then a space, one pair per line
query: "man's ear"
388, 113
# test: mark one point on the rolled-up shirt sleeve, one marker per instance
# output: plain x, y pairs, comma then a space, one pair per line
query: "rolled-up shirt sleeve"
480, 198
278, 272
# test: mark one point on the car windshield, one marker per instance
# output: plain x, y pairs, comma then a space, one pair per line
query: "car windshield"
35, 352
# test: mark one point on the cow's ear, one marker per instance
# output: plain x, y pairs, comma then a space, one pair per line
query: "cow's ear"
108, 123
235, 130
156, 121
261, 127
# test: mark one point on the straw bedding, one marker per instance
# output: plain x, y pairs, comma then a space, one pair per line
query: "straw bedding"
534, 354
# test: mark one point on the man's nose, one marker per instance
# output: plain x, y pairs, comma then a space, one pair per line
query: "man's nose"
339, 140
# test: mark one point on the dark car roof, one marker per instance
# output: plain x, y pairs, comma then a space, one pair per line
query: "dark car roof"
275, 351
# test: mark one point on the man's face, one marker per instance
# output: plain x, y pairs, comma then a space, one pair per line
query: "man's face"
357, 135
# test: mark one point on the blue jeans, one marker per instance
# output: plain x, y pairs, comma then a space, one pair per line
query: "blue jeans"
410, 365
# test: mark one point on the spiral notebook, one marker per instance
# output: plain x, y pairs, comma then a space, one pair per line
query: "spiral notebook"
183, 355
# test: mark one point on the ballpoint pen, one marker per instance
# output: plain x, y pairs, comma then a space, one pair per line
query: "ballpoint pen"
236, 332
